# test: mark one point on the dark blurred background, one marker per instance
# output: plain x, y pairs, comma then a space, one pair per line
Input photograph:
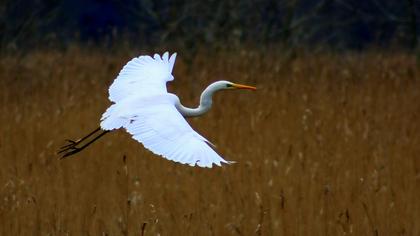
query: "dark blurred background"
336, 24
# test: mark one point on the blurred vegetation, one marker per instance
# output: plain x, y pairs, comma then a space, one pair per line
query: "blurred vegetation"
327, 145
188, 24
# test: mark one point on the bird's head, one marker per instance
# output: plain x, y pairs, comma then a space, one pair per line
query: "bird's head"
223, 84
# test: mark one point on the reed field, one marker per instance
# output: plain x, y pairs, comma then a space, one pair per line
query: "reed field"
329, 144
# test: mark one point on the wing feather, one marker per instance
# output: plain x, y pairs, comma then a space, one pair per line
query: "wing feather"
165, 132
143, 76
147, 111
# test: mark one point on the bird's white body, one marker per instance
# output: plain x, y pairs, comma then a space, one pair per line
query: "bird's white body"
155, 117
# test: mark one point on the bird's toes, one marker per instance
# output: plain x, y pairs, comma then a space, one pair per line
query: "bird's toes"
69, 153
67, 146
71, 141
70, 145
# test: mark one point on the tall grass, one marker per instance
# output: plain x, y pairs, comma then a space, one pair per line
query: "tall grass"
328, 145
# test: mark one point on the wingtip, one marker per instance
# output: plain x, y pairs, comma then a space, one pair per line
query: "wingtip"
157, 57
172, 62
165, 56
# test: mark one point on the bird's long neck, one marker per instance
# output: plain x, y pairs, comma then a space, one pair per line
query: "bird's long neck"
205, 103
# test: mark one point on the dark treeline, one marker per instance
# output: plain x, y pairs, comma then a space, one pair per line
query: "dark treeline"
340, 24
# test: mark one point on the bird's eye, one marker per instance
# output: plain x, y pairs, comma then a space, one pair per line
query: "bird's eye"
228, 85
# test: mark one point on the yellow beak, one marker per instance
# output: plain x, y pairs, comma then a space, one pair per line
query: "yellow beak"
241, 86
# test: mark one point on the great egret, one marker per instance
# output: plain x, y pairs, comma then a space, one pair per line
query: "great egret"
153, 116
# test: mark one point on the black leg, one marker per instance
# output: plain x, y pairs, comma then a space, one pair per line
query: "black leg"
72, 143
81, 140
71, 148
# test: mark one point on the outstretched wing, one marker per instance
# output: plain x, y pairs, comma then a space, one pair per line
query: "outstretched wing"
145, 109
143, 76
157, 124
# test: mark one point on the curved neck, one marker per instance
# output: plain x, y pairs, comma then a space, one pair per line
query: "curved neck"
205, 103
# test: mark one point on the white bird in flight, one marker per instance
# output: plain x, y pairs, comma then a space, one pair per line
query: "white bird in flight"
154, 117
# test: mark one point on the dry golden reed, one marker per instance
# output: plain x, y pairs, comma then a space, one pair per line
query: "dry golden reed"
328, 145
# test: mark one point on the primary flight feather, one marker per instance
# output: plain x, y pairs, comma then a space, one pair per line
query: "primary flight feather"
155, 117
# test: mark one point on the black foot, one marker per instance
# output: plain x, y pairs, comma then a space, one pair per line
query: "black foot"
69, 149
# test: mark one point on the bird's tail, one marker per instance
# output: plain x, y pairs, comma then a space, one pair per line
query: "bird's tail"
110, 119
